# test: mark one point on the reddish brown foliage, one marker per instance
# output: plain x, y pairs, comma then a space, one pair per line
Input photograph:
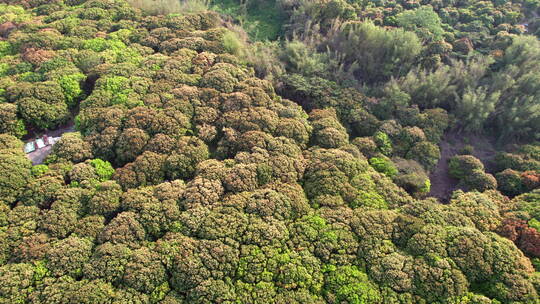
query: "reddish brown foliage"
531, 179
37, 56
463, 45
6, 28
525, 237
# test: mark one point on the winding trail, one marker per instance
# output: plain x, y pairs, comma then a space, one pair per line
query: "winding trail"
442, 184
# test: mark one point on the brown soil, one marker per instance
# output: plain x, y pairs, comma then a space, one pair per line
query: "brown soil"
37, 157
442, 184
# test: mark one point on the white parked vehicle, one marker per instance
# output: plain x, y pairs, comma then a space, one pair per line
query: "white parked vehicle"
29, 147
39, 143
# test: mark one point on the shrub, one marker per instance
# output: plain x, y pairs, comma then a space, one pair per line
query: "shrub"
41, 114
39, 170
466, 150
461, 166
384, 144
531, 179
383, 165
9, 123
347, 284
424, 21
232, 43
103, 169
426, 153
366, 145
480, 181
508, 161
377, 53
71, 86
166, 7
534, 223
5, 48
15, 168
510, 182
70, 147
411, 177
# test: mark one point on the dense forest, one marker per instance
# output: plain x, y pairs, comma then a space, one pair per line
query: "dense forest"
270, 151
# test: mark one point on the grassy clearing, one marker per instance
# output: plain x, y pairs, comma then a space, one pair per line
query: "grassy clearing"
262, 19
166, 7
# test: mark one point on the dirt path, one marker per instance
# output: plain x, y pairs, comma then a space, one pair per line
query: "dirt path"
442, 184
37, 157
64, 129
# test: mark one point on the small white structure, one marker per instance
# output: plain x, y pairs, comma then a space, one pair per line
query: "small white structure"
40, 143
29, 147
53, 140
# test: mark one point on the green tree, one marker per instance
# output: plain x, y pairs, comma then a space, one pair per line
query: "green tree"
15, 167
424, 21
383, 165
349, 284
475, 107
374, 53
9, 122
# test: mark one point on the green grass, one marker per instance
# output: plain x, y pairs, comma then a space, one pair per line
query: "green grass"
261, 19
166, 7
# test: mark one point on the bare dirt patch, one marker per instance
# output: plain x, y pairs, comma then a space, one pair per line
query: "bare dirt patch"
442, 184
